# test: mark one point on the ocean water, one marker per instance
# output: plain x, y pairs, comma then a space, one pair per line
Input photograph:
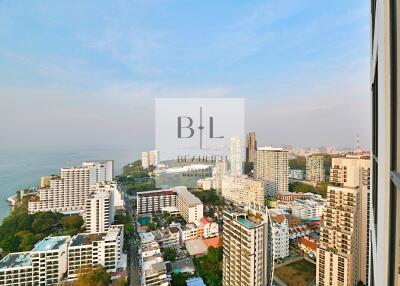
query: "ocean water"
20, 170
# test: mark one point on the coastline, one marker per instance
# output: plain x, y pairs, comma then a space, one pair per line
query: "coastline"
22, 170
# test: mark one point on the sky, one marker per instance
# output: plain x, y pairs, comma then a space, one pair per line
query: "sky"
85, 74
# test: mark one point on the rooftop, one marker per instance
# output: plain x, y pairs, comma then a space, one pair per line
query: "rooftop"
196, 247
89, 238
14, 260
50, 243
99, 194
187, 196
269, 148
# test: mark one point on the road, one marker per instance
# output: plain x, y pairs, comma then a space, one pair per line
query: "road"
133, 267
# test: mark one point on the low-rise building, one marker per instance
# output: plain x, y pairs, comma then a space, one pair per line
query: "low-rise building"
298, 232
308, 245
306, 209
168, 237
153, 268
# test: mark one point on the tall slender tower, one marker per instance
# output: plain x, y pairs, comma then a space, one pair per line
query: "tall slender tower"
251, 147
345, 229
236, 157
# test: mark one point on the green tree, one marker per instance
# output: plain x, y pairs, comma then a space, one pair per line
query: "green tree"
170, 254
93, 277
27, 240
11, 243
209, 266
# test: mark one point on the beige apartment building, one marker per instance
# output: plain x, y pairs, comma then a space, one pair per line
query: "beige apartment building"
69, 191
345, 228
243, 190
315, 171
190, 207
247, 251
271, 166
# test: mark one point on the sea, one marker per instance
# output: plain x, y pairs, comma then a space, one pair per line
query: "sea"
21, 170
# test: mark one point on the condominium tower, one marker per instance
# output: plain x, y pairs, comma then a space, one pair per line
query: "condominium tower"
271, 166
247, 251
346, 223
251, 147
236, 157
315, 171
385, 177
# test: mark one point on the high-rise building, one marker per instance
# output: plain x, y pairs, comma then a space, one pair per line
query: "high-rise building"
145, 160
69, 191
247, 249
219, 171
346, 223
150, 159
336, 262
251, 147
271, 166
243, 190
99, 211
315, 171
385, 176
236, 157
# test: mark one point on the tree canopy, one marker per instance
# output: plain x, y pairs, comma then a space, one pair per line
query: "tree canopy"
93, 277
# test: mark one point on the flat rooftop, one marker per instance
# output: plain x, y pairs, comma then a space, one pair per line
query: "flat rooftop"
14, 260
50, 243
187, 196
269, 148
89, 238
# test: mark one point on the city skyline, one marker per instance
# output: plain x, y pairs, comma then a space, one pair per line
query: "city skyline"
103, 65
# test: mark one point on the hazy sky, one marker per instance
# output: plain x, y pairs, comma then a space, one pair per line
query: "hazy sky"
85, 73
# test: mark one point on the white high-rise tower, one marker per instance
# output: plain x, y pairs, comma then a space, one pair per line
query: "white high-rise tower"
236, 156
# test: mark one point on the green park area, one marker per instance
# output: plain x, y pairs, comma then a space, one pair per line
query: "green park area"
300, 273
